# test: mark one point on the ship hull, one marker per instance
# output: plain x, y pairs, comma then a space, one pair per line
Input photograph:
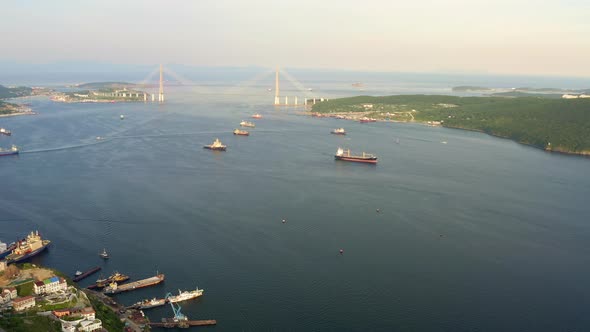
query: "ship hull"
214, 148
366, 160
242, 134
8, 250
338, 133
86, 274
21, 258
135, 285
8, 153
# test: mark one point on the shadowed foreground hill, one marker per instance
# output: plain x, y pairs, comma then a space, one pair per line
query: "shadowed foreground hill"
561, 125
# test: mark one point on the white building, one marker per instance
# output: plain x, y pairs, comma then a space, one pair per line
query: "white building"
8, 294
90, 325
50, 285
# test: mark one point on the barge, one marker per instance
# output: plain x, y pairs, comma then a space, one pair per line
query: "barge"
114, 288
86, 274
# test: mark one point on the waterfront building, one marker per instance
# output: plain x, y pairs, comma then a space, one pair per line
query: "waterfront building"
50, 285
22, 303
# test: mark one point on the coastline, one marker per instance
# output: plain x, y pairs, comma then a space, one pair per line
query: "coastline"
355, 116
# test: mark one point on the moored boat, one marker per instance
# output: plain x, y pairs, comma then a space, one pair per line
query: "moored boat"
186, 295
241, 132
247, 124
8, 152
5, 132
32, 245
339, 131
365, 120
6, 249
345, 155
114, 288
217, 145
147, 304
115, 277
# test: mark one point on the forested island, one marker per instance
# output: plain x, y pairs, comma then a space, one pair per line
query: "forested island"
561, 125
9, 109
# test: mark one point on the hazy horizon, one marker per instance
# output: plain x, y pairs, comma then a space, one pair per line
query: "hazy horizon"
458, 37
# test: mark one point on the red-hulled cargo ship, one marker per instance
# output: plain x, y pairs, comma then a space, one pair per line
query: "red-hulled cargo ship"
345, 155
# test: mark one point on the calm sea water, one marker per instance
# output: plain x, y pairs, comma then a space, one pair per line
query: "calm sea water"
478, 234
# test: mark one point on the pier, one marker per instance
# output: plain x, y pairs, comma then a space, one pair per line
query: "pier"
172, 323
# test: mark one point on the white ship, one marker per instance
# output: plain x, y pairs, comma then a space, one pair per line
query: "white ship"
183, 296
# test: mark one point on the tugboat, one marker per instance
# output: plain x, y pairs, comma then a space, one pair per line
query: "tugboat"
247, 124
32, 245
8, 152
241, 132
339, 131
115, 277
104, 254
5, 132
257, 116
343, 155
217, 145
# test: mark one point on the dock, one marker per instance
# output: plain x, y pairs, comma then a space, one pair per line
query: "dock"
114, 289
171, 323
87, 273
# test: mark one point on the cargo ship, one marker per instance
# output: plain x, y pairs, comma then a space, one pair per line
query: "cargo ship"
339, 131
82, 275
114, 288
32, 245
247, 124
241, 132
345, 155
8, 152
115, 277
148, 304
187, 295
217, 145
257, 116
5, 132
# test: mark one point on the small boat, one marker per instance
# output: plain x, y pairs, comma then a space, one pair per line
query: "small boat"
345, 155
217, 145
104, 254
247, 124
122, 116
81, 275
8, 152
98, 138
257, 116
5, 132
241, 132
339, 131
115, 277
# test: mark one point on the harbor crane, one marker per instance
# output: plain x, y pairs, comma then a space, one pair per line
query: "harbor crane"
179, 318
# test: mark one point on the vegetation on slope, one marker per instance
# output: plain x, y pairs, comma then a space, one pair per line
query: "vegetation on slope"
553, 124
20, 91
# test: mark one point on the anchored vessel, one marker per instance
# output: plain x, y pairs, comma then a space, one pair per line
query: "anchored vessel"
247, 124
217, 145
257, 116
113, 288
32, 245
241, 132
104, 254
8, 152
339, 131
365, 120
345, 155
81, 275
5, 132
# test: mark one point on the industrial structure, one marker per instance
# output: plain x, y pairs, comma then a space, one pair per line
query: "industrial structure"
161, 93
295, 101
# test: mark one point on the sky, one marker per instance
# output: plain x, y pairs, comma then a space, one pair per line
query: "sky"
523, 37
